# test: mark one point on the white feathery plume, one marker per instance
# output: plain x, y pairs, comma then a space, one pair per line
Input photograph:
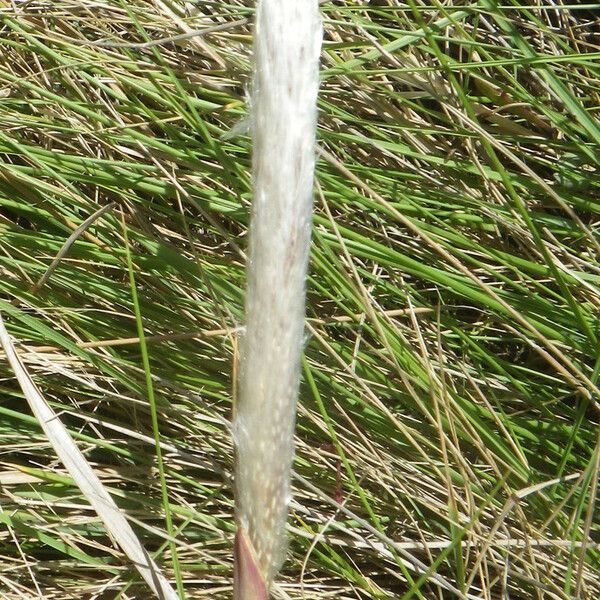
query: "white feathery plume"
287, 43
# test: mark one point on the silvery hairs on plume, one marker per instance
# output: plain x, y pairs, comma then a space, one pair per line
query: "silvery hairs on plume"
287, 43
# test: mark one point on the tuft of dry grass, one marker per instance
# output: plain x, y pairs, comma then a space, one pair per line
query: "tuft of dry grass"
447, 441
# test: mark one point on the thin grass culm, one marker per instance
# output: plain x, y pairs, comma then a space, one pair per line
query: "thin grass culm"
287, 42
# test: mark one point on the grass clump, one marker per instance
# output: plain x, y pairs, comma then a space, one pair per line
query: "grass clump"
447, 441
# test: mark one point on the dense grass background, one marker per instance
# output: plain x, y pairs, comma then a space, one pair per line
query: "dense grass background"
450, 395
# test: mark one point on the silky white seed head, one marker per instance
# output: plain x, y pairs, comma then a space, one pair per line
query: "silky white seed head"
287, 41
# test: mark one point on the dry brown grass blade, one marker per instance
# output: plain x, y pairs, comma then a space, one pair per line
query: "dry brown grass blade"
84, 476
67, 245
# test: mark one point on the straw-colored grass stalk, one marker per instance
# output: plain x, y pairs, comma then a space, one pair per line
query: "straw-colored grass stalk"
287, 42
